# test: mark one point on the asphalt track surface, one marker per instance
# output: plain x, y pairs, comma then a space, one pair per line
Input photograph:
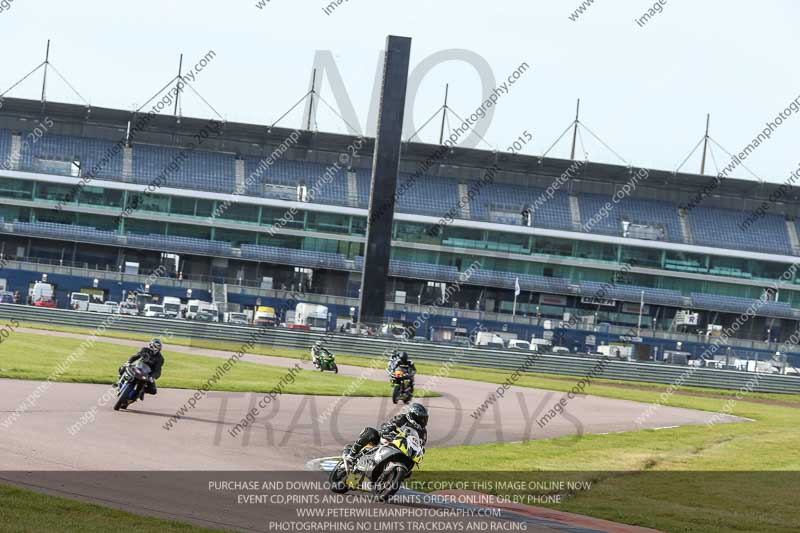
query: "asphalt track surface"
287, 434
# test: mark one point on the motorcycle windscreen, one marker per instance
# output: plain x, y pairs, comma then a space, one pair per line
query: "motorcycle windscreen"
141, 365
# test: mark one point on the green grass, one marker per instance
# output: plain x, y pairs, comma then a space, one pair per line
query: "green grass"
677, 480
489, 375
681, 479
34, 357
25, 511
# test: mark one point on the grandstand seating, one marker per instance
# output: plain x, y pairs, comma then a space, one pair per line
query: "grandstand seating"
330, 183
631, 293
734, 304
647, 212
52, 229
192, 169
429, 195
721, 227
5, 146
180, 244
410, 269
90, 153
305, 258
508, 201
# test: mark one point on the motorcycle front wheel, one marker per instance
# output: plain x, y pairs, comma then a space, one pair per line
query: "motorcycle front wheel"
123, 397
396, 394
389, 482
337, 478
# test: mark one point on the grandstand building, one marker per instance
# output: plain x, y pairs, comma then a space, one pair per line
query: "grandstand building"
246, 213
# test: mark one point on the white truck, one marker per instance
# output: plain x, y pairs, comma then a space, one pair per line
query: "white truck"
489, 339
517, 344
195, 307
618, 351
264, 315
312, 317
172, 306
128, 308
42, 294
79, 301
103, 307
541, 345
237, 319
154, 311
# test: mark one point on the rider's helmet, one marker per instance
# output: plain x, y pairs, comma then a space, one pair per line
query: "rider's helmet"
403, 357
417, 415
156, 345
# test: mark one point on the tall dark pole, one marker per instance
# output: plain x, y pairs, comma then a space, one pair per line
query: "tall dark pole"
180, 78
385, 169
575, 130
444, 113
44, 79
311, 98
705, 146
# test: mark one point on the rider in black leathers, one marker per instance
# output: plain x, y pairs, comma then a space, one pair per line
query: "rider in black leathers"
400, 360
152, 357
416, 417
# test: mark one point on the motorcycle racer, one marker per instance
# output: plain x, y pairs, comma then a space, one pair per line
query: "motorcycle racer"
416, 417
152, 357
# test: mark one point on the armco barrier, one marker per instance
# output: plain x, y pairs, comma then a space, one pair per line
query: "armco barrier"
370, 346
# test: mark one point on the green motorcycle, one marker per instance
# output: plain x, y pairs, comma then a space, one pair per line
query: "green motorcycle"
379, 470
325, 360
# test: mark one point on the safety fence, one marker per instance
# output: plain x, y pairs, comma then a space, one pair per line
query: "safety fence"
569, 365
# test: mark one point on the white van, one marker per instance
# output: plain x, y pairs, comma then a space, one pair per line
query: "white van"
489, 339
79, 301
195, 307
540, 345
238, 319
154, 310
517, 344
128, 308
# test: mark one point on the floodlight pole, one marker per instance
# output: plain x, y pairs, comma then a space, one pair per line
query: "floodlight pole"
575, 129
179, 79
705, 146
311, 99
44, 78
444, 113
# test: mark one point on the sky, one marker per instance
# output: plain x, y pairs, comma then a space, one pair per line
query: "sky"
645, 89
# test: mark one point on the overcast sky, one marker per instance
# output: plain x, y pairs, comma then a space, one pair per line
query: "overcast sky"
644, 90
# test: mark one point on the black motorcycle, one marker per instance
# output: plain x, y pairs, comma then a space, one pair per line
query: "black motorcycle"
379, 470
132, 384
403, 382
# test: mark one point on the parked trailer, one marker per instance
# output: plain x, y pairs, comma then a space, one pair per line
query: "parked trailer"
196, 307
310, 317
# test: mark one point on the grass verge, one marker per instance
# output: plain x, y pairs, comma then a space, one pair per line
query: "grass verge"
739, 477
34, 357
25, 511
